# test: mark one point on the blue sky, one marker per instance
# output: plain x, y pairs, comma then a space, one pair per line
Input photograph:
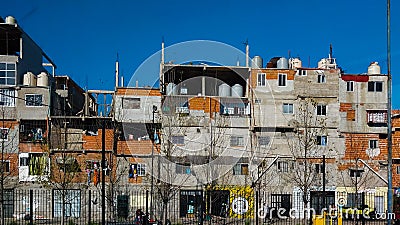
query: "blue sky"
83, 37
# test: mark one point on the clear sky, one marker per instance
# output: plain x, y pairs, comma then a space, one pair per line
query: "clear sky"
83, 37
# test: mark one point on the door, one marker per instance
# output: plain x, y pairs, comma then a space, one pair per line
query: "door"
23, 169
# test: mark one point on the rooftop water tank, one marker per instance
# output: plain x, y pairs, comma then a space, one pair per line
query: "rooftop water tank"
374, 68
237, 90
171, 89
295, 63
11, 20
224, 90
323, 64
29, 79
257, 62
282, 63
43, 80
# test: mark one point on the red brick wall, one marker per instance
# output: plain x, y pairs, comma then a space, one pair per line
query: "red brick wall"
138, 91
94, 142
203, 103
357, 144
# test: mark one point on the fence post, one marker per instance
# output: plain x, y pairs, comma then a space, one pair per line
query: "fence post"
90, 208
147, 201
31, 207
257, 202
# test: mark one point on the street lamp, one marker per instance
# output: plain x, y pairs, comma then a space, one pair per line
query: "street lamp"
152, 163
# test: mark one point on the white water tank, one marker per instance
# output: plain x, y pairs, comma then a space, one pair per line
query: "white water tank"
43, 80
295, 63
257, 62
374, 68
237, 90
323, 64
224, 90
29, 79
282, 63
171, 89
11, 20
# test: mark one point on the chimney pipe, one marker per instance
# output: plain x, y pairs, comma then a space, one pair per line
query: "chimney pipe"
116, 72
247, 54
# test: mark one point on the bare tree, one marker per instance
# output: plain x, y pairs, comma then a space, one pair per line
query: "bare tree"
303, 145
8, 169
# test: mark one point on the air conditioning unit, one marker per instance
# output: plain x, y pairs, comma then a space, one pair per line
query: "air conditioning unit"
182, 110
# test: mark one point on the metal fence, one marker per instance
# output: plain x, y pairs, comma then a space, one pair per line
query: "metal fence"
183, 207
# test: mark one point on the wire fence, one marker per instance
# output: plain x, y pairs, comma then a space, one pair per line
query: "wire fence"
227, 205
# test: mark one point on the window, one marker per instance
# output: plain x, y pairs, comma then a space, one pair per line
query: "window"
131, 103
261, 79
373, 144
321, 78
257, 101
33, 100
178, 140
322, 140
355, 172
5, 164
67, 164
281, 80
70, 200
287, 108
38, 164
32, 130
302, 72
350, 86
8, 203
141, 170
375, 86
397, 169
136, 170
241, 169
321, 110
7, 97
282, 166
183, 168
319, 168
237, 141
377, 116
92, 164
7, 73
263, 140
355, 200
4, 133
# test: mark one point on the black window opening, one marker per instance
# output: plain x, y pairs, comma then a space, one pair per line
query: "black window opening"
321, 110
32, 130
34, 100
350, 86
191, 203
280, 201
356, 172
375, 86
282, 80
321, 200
219, 202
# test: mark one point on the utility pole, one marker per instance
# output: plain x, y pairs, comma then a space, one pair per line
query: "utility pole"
389, 119
103, 163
